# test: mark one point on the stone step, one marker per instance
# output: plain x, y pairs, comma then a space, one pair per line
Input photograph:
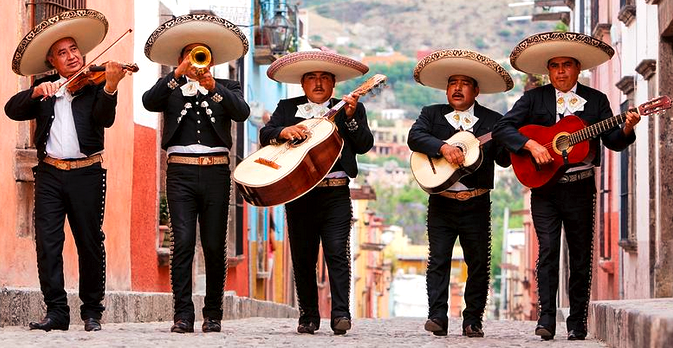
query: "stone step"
633, 323
19, 306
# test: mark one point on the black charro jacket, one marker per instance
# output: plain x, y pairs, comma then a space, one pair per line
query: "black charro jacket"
538, 106
93, 110
355, 142
232, 106
431, 128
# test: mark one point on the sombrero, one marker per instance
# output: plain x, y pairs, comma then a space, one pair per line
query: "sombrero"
435, 69
225, 40
532, 54
87, 27
292, 67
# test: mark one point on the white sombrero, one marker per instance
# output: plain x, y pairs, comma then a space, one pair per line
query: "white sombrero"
225, 40
292, 67
435, 69
87, 27
532, 54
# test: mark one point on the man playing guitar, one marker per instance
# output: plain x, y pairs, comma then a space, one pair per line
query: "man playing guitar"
464, 209
570, 201
324, 213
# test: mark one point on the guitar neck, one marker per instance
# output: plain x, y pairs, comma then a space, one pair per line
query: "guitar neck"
485, 138
334, 110
597, 128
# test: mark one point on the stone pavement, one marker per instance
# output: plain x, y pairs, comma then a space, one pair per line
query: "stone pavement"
280, 332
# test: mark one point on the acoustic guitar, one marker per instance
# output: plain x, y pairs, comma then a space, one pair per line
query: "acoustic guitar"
277, 174
436, 174
569, 143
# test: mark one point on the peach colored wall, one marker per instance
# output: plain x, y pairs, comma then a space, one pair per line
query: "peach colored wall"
16, 269
118, 149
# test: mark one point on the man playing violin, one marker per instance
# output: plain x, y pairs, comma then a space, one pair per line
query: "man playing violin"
69, 178
198, 111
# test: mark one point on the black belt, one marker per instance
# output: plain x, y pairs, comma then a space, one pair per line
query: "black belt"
333, 182
576, 176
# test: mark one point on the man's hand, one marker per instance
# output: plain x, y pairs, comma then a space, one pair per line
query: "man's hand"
452, 154
298, 131
183, 68
351, 104
206, 80
45, 89
632, 118
113, 74
539, 152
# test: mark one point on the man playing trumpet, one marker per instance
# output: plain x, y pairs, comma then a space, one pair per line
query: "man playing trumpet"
197, 114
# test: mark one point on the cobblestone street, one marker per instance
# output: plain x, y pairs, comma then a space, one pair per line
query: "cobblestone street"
272, 332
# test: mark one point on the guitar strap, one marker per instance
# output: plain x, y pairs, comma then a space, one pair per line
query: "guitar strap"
565, 157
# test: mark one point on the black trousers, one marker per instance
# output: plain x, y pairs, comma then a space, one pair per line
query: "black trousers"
198, 193
78, 194
470, 221
571, 205
323, 214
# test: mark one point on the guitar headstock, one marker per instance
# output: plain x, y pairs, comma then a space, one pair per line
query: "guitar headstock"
372, 84
655, 106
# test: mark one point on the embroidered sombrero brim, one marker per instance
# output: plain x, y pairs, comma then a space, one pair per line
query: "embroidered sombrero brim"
292, 67
532, 54
87, 27
226, 41
435, 69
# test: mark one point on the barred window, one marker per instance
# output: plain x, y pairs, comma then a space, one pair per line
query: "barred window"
47, 9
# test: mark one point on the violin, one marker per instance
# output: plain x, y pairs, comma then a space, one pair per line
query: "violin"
95, 75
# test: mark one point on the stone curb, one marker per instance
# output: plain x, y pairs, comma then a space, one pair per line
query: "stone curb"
19, 306
633, 323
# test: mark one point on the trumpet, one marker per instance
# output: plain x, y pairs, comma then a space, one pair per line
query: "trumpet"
200, 58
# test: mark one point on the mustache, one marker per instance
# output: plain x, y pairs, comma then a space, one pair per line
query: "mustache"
457, 94
318, 89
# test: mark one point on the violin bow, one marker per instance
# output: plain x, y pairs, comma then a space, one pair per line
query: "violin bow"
87, 65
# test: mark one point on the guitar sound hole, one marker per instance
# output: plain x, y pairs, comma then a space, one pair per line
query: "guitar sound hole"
298, 142
563, 143
461, 146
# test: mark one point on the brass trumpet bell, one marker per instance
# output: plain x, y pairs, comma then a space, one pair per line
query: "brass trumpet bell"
200, 58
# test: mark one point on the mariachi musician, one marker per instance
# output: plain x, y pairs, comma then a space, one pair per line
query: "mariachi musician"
463, 210
569, 202
197, 113
69, 178
324, 213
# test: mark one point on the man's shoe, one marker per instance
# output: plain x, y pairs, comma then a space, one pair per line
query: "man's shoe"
211, 325
544, 332
92, 324
576, 335
48, 324
435, 326
182, 326
308, 328
341, 325
473, 331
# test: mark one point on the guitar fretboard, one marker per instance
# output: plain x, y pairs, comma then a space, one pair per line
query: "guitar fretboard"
334, 110
597, 128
